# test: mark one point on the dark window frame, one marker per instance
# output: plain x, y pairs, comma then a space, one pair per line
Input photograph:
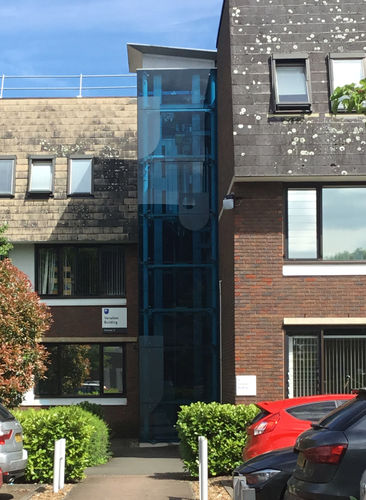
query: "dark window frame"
12, 187
41, 192
101, 372
59, 248
79, 194
291, 59
319, 220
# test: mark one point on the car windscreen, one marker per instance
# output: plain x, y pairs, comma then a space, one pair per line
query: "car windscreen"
5, 414
344, 416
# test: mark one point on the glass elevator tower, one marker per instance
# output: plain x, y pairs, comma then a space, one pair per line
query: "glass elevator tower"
179, 345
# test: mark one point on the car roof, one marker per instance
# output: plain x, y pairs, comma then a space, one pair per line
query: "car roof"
283, 404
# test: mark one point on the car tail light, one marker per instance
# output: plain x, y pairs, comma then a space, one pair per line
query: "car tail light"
266, 425
5, 437
325, 454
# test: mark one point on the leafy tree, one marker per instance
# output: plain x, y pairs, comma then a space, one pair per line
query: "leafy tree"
350, 98
5, 245
23, 320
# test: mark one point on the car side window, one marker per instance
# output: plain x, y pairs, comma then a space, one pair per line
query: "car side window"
313, 411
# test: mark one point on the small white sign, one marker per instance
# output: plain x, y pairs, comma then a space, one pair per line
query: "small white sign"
246, 385
114, 318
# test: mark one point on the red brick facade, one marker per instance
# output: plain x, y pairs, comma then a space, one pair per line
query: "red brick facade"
264, 297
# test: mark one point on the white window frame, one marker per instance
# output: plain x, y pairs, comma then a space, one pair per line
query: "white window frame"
290, 60
10, 192
71, 191
344, 56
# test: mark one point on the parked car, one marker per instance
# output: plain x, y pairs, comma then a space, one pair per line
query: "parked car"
268, 473
332, 455
13, 457
279, 423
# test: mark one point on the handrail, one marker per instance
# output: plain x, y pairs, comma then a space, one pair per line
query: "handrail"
82, 87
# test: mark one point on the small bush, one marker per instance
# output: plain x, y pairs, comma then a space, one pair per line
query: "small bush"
223, 425
86, 436
92, 408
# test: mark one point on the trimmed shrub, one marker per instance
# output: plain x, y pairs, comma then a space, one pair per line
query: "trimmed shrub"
223, 425
85, 436
92, 408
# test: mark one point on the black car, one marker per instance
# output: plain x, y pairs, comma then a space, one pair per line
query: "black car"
268, 473
332, 455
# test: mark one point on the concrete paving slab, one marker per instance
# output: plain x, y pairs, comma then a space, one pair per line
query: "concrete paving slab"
18, 491
131, 488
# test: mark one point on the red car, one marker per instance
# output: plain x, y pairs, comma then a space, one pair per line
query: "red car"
278, 423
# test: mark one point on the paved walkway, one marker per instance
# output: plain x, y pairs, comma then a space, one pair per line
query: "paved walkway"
134, 473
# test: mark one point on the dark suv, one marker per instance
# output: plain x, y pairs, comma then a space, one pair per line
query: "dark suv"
332, 455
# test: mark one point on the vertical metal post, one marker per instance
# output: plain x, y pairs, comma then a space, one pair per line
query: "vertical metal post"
2, 86
203, 469
80, 86
59, 465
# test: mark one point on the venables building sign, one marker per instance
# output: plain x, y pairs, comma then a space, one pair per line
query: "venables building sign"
114, 319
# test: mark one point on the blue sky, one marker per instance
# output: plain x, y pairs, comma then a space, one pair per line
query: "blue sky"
89, 36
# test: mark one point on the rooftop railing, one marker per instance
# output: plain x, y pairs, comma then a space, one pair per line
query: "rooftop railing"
68, 86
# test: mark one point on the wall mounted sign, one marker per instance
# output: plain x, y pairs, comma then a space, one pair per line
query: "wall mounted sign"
246, 385
114, 319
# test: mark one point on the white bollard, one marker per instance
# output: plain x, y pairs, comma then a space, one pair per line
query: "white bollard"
59, 465
203, 468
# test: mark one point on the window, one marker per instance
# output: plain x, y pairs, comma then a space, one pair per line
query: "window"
40, 176
290, 82
312, 411
326, 222
346, 68
329, 361
80, 176
83, 370
80, 270
7, 176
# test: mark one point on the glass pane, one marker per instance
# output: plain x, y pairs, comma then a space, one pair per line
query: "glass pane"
51, 384
113, 369
80, 176
87, 271
112, 271
68, 270
347, 71
345, 363
41, 176
6, 176
344, 223
80, 370
47, 271
291, 83
312, 412
302, 224
303, 366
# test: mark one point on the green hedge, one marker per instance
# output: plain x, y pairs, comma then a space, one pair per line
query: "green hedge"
87, 441
223, 425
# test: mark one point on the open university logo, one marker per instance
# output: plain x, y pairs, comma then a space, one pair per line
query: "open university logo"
106, 311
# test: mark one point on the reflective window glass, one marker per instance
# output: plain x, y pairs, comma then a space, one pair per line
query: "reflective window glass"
80, 176
291, 82
347, 71
344, 223
48, 278
40, 176
83, 370
6, 176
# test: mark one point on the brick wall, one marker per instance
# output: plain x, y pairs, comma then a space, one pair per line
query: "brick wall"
104, 128
263, 297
